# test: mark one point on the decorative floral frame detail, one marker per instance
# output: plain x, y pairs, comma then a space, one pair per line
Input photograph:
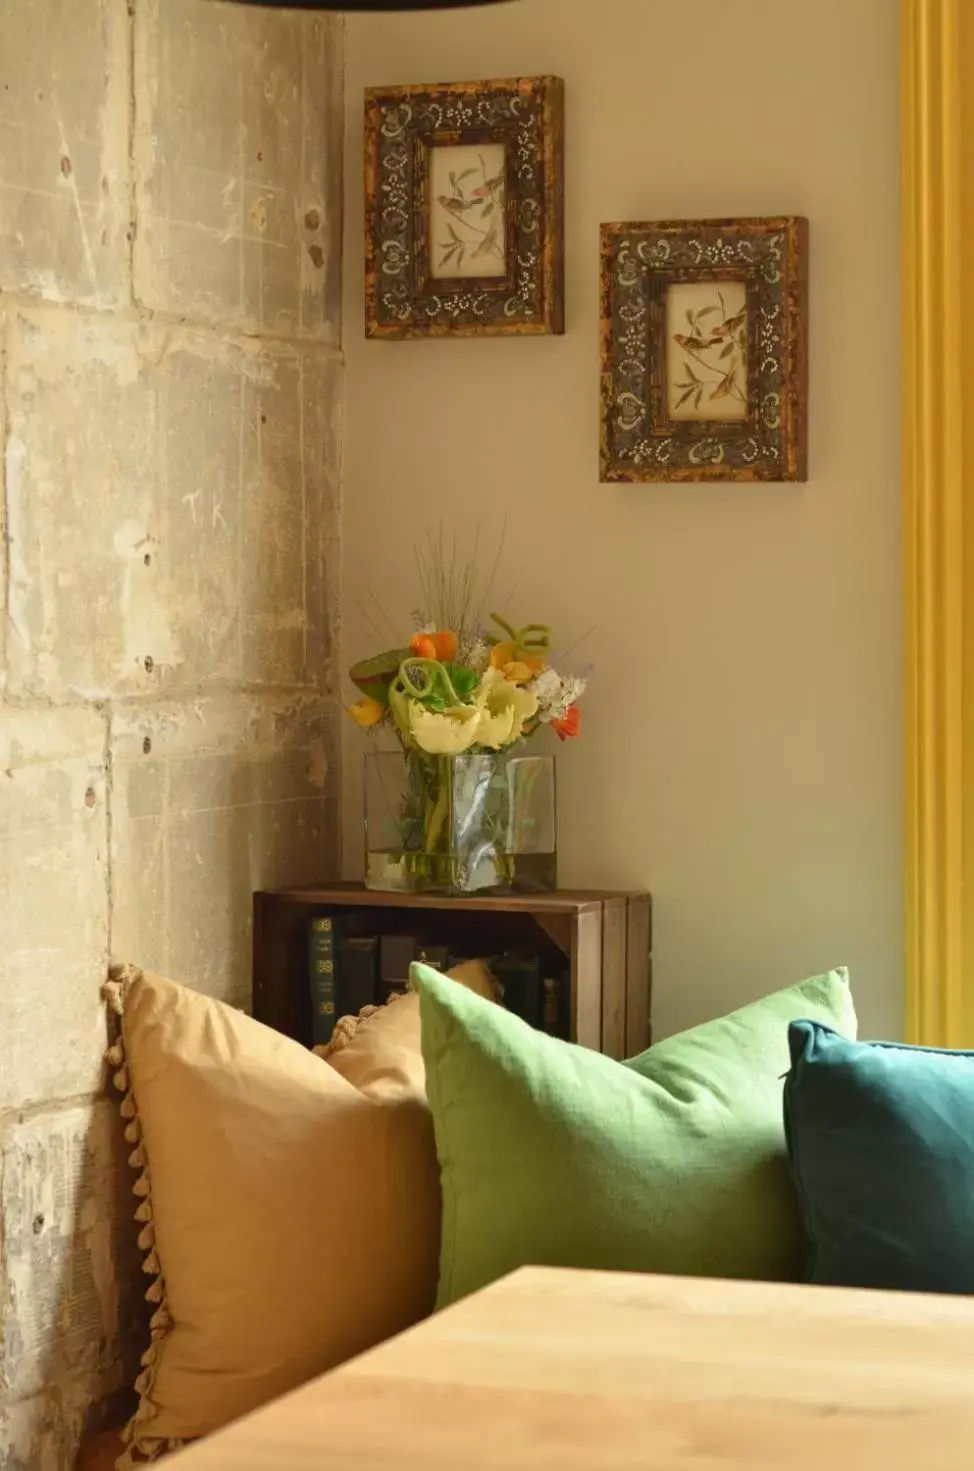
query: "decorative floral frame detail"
483, 257
725, 398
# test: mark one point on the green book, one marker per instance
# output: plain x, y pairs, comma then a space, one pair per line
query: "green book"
322, 952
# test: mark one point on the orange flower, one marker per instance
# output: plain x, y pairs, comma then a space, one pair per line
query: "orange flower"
568, 725
422, 646
501, 654
366, 712
516, 665
446, 646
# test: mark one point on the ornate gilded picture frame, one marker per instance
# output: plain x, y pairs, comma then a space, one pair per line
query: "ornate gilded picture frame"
464, 209
705, 350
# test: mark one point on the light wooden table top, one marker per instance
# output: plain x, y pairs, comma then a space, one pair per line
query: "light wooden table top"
590, 1371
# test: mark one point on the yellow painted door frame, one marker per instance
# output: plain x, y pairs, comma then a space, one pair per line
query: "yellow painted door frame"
937, 151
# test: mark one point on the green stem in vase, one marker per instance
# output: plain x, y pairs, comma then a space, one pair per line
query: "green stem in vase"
437, 812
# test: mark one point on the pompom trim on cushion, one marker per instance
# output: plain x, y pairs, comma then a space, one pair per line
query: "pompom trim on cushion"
141, 1449
347, 1027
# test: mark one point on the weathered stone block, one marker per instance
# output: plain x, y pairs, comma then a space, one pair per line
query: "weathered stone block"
64, 189
3, 517
188, 546
291, 503
213, 799
238, 166
43, 1433
71, 1290
53, 903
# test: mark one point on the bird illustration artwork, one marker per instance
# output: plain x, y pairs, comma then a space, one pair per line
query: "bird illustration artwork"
454, 204
488, 244
470, 209
732, 324
489, 187
693, 343
719, 375
727, 385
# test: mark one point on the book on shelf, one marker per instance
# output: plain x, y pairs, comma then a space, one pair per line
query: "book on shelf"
396, 955
519, 977
556, 1007
437, 957
348, 972
321, 976
357, 973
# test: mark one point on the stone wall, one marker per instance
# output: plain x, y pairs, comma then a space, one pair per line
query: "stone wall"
170, 414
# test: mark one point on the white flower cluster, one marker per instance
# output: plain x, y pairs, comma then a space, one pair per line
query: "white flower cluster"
475, 655
556, 694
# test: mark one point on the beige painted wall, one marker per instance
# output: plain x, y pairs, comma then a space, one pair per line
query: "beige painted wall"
170, 397
741, 754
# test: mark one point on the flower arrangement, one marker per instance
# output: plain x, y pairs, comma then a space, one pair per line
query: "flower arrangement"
459, 686
464, 687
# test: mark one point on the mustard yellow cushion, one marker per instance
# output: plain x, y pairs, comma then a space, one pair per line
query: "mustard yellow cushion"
291, 1218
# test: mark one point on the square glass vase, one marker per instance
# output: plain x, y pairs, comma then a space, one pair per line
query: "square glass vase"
471, 824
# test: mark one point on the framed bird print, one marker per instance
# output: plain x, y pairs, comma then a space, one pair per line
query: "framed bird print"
464, 209
705, 350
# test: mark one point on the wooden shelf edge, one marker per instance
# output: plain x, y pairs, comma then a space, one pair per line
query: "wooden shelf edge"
355, 895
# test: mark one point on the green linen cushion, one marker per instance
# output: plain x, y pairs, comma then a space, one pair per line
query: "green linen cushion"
881, 1141
553, 1155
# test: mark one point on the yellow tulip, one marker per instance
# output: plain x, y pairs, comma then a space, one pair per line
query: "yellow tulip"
447, 734
504, 710
366, 712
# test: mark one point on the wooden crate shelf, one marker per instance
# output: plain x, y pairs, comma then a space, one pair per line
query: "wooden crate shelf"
604, 938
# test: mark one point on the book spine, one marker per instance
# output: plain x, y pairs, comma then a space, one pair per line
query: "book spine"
521, 983
556, 1007
322, 951
357, 974
437, 957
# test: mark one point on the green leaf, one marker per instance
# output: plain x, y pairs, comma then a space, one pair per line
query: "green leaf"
464, 680
726, 351
464, 174
453, 234
374, 676
487, 209
690, 373
705, 311
689, 317
684, 396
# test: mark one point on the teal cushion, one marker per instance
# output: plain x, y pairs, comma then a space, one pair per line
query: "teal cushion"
554, 1155
881, 1143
